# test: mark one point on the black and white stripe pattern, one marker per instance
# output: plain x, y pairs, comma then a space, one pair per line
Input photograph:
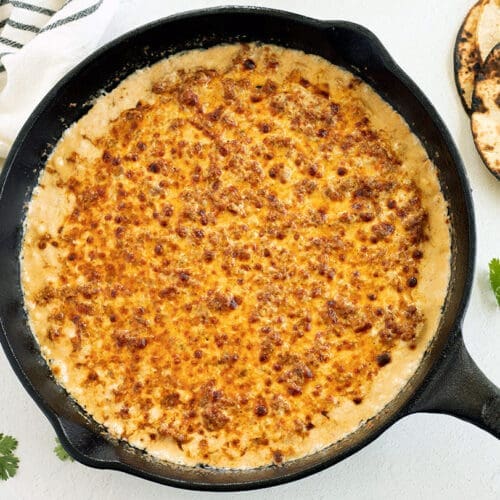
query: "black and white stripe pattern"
21, 21
33, 7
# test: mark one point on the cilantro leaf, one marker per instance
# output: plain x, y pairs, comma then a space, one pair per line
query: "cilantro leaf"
8, 466
8, 461
7, 444
61, 453
495, 278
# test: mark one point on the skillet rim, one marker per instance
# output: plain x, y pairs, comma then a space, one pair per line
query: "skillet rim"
446, 344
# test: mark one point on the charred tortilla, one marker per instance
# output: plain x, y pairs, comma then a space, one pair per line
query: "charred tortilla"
467, 57
485, 119
488, 28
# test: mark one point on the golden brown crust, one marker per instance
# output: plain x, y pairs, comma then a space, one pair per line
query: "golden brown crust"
238, 257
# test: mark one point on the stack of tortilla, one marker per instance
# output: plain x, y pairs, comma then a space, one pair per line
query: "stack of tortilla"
477, 75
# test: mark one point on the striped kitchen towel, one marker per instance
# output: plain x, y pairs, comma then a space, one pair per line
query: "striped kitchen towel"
40, 40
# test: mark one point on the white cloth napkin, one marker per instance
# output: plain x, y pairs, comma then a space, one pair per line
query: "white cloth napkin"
40, 40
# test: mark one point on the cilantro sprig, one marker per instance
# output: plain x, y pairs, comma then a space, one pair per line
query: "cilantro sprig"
495, 278
8, 461
61, 453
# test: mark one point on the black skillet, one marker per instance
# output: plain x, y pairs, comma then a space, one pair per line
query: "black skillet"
447, 380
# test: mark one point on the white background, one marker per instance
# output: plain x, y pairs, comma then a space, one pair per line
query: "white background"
422, 456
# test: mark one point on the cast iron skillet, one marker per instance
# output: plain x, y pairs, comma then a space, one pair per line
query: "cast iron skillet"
447, 381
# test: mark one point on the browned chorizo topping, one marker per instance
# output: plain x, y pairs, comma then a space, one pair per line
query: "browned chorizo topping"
412, 282
160, 87
260, 409
249, 64
383, 359
188, 97
154, 167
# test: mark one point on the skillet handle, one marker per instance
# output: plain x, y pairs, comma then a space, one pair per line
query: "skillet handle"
85, 446
461, 389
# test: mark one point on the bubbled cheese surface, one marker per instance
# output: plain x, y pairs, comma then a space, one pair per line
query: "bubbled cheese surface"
236, 257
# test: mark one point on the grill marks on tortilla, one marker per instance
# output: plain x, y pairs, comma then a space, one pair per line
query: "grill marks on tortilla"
477, 36
485, 119
467, 61
476, 77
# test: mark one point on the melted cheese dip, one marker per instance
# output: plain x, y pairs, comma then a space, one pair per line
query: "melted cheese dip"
236, 257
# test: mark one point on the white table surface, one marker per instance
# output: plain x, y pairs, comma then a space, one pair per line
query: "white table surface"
422, 456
